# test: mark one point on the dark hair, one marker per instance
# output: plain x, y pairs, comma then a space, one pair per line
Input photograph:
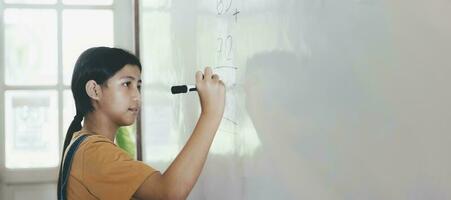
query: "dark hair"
98, 64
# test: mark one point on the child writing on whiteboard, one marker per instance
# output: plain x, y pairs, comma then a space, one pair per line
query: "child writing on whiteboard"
106, 88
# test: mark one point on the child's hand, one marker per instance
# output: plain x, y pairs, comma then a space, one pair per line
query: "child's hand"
211, 92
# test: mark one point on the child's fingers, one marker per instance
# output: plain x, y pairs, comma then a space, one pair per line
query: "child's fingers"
215, 77
208, 72
199, 76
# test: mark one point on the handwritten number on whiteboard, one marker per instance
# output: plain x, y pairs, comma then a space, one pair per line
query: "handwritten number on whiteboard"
220, 45
223, 6
228, 6
219, 6
226, 45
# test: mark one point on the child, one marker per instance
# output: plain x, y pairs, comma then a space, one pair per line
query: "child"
106, 87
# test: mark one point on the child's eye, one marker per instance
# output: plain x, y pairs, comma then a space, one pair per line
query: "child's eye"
126, 84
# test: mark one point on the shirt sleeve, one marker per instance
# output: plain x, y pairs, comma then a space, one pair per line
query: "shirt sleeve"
110, 173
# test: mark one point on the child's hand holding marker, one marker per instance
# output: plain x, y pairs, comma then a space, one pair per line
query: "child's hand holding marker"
211, 92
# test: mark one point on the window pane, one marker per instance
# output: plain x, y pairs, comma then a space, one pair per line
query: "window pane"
31, 1
31, 47
83, 29
88, 2
68, 110
155, 3
31, 122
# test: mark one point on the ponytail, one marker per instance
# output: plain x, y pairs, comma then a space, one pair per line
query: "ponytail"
75, 126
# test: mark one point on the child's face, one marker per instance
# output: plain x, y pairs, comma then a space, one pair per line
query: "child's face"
121, 99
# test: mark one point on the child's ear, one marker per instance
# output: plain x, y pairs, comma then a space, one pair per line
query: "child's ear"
93, 89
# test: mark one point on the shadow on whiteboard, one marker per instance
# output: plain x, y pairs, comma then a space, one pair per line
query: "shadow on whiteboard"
273, 88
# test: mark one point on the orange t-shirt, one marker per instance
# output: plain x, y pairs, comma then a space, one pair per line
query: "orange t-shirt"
101, 170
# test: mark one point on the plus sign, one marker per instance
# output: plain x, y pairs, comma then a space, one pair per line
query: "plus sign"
236, 14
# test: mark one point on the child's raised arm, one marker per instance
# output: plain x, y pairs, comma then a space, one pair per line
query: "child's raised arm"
181, 176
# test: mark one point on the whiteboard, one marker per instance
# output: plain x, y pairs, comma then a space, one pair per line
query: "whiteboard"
326, 99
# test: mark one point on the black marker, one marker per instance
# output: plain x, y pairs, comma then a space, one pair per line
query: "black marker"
183, 89
189, 88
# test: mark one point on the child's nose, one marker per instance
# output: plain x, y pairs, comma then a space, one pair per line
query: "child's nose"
136, 95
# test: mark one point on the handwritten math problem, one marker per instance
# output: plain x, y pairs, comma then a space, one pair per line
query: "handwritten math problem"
227, 16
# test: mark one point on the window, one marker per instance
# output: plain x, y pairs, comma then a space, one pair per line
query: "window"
40, 41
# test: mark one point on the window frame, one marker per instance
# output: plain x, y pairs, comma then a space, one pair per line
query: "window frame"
123, 37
